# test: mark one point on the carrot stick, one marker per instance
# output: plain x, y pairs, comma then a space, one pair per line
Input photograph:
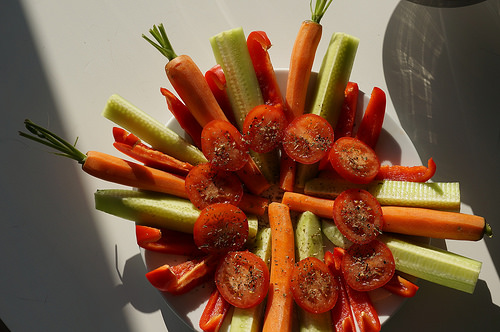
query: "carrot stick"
434, 223
253, 178
299, 202
301, 62
279, 310
287, 172
405, 220
187, 80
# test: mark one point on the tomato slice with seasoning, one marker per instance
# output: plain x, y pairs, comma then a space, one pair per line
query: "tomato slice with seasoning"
308, 138
314, 287
358, 215
220, 228
242, 279
264, 127
223, 145
207, 185
369, 266
354, 160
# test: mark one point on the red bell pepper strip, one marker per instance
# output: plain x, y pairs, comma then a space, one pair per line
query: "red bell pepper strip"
371, 124
258, 43
407, 173
166, 241
181, 278
217, 82
345, 122
214, 313
182, 114
342, 318
132, 146
364, 312
401, 286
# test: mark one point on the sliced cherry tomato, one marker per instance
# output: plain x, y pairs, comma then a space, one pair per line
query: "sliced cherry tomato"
220, 228
207, 185
223, 145
308, 138
264, 127
242, 279
358, 215
368, 266
314, 287
354, 160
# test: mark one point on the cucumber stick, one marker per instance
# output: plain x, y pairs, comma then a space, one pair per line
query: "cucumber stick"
424, 261
309, 243
435, 195
133, 119
250, 320
155, 210
231, 53
329, 92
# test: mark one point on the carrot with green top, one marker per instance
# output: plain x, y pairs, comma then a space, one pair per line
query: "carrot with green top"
279, 310
302, 60
187, 80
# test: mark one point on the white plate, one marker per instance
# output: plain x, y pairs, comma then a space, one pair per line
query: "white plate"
394, 147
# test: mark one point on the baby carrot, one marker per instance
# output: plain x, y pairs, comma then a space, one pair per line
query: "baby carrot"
279, 310
187, 80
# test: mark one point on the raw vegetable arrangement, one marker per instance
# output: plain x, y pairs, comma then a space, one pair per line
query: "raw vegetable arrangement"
276, 199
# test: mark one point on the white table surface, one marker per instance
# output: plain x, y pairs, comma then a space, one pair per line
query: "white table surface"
66, 267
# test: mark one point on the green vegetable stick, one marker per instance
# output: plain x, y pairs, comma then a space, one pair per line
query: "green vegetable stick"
128, 116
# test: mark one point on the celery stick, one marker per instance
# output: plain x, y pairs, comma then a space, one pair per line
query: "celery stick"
155, 210
250, 320
333, 76
231, 53
309, 243
426, 262
436, 195
151, 131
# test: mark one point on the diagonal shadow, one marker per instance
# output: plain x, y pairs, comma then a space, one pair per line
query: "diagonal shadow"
442, 68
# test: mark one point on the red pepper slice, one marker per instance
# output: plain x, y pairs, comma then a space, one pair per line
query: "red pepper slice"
347, 115
401, 286
407, 173
182, 114
166, 241
132, 146
216, 80
258, 43
364, 312
371, 124
342, 318
214, 313
181, 278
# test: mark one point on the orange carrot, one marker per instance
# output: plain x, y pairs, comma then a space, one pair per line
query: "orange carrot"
301, 62
187, 80
299, 202
279, 310
434, 223
405, 220
253, 178
287, 172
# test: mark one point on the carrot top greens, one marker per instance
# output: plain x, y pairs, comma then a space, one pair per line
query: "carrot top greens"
163, 44
319, 10
46, 137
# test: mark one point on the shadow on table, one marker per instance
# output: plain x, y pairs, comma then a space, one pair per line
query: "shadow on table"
442, 68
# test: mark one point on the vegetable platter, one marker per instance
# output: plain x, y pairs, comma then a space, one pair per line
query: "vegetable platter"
250, 203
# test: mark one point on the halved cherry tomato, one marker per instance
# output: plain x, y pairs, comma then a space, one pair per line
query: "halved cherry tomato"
368, 266
354, 160
242, 278
314, 287
207, 185
358, 215
308, 138
223, 145
264, 127
220, 228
